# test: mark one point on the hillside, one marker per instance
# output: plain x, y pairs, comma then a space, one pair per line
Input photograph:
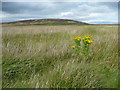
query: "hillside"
47, 22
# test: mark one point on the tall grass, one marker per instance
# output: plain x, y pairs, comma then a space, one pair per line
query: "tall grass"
41, 57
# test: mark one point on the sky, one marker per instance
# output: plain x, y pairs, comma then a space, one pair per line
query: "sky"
89, 12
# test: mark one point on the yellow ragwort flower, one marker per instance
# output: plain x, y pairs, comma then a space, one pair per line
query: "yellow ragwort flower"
89, 41
77, 38
73, 47
87, 37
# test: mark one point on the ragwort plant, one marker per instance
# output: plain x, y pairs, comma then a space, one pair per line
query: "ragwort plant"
82, 45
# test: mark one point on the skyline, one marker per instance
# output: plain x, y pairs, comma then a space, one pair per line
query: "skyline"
89, 12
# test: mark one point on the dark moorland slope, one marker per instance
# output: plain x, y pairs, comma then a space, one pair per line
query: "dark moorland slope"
47, 22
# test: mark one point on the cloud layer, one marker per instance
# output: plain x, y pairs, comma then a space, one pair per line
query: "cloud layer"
90, 12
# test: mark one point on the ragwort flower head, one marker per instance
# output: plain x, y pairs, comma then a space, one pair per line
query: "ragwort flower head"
77, 38
73, 47
89, 41
87, 37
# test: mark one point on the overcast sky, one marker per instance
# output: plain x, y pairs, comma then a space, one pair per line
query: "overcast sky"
90, 12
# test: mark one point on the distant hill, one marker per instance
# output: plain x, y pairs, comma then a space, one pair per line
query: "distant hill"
47, 22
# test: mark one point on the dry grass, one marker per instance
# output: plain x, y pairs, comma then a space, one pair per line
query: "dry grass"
40, 56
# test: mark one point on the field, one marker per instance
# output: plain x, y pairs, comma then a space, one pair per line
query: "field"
42, 57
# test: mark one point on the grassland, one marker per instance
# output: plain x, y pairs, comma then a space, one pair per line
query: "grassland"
41, 24
41, 57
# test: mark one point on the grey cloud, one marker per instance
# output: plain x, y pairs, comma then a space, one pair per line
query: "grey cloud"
23, 10
16, 8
